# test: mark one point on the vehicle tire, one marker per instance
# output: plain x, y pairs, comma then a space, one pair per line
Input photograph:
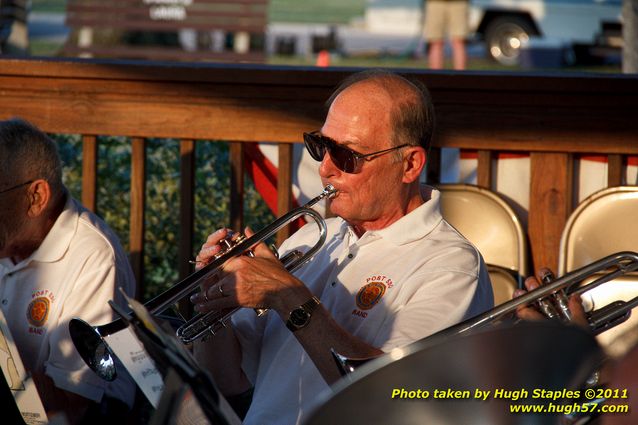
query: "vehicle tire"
504, 37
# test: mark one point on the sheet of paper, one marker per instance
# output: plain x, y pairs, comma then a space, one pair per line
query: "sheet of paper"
21, 385
128, 348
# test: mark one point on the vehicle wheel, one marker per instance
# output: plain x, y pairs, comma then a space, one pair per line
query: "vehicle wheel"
504, 37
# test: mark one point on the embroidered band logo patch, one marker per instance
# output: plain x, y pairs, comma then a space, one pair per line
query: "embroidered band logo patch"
370, 294
38, 311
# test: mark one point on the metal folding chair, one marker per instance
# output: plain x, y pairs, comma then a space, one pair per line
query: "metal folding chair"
604, 223
487, 221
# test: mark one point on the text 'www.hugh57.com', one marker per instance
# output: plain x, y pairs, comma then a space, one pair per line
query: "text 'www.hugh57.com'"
537, 400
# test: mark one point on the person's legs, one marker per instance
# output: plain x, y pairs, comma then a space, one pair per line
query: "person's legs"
435, 54
458, 31
434, 31
459, 55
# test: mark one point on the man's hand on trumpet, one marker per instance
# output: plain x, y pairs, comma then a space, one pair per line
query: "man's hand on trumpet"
262, 281
258, 281
538, 311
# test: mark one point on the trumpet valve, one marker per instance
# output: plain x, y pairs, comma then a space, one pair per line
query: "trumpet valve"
563, 306
232, 239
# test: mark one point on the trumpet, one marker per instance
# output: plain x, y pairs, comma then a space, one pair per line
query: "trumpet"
202, 325
553, 293
90, 341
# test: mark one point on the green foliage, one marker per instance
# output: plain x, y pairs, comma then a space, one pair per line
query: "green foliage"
161, 236
70, 149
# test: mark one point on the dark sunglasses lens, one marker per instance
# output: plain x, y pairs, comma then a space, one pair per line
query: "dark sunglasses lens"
317, 145
314, 145
342, 158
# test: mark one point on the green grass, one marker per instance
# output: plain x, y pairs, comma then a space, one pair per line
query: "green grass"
314, 11
351, 61
44, 48
387, 61
48, 6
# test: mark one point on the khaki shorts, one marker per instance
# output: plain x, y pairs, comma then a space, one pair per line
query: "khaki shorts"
445, 17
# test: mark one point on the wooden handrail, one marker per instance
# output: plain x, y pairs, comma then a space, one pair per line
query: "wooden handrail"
551, 117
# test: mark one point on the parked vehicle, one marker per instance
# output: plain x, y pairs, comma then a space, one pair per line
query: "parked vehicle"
507, 25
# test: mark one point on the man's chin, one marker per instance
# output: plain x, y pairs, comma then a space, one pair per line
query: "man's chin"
336, 209
5, 249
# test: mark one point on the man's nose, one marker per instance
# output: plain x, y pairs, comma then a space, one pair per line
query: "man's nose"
327, 168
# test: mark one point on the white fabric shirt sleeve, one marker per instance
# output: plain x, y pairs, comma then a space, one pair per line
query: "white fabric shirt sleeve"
95, 285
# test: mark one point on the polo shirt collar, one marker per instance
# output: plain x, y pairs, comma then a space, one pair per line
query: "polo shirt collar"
410, 227
418, 223
346, 231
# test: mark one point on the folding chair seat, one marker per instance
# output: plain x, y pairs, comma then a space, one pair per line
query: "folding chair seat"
487, 221
604, 223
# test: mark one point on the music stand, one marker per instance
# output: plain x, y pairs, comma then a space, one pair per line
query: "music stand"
179, 369
18, 393
10, 411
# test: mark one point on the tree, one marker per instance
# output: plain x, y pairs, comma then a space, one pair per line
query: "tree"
212, 195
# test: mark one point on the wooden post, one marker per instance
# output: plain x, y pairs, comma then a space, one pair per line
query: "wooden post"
549, 206
237, 186
484, 169
186, 205
284, 187
615, 170
433, 171
89, 172
138, 192
186, 216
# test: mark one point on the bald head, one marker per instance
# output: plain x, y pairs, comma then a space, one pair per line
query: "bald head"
408, 104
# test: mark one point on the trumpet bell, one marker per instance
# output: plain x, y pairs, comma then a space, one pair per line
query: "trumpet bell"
93, 349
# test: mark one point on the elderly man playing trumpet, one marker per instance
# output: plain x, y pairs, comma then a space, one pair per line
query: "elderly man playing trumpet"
391, 272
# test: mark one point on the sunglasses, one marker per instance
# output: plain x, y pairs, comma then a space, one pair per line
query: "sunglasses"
343, 158
15, 187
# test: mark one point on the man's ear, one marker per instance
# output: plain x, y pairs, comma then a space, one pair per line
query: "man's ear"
413, 163
39, 197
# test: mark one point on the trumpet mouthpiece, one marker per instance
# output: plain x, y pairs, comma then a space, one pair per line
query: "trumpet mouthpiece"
330, 191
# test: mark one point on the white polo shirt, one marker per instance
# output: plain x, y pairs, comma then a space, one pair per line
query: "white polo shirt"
74, 273
390, 287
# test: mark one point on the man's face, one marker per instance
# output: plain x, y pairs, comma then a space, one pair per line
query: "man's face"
13, 217
359, 119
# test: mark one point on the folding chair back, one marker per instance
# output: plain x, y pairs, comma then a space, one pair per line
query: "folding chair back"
487, 221
604, 223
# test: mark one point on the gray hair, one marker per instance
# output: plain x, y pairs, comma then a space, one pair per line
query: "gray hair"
26, 153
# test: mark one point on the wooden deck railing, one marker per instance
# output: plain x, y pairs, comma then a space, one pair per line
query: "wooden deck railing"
550, 117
